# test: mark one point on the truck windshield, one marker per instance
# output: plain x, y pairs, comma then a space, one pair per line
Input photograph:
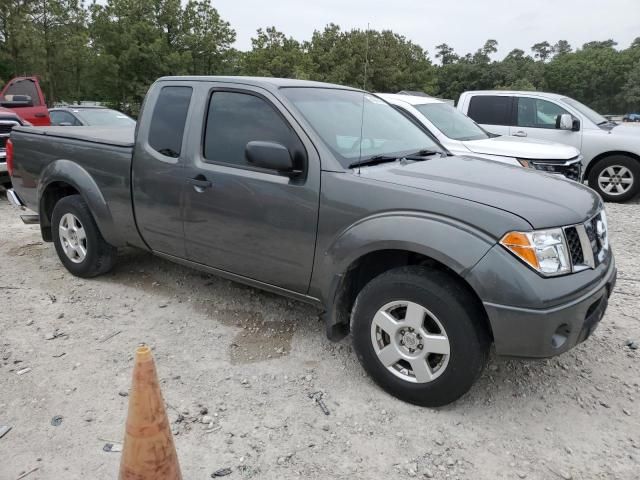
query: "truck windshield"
592, 115
451, 122
356, 125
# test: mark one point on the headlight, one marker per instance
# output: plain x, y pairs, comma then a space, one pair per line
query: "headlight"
540, 166
525, 163
543, 250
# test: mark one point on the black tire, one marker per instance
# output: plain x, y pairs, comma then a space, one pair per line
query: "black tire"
616, 161
458, 313
100, 256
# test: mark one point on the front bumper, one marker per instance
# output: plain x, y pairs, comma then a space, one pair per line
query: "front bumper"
526, 332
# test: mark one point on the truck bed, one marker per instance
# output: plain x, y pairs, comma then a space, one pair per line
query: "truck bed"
116, 136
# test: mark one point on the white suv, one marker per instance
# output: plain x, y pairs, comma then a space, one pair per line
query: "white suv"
462, 136
611, 152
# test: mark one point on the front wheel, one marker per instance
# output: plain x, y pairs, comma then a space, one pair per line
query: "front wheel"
78, 241
616, 178
420, 335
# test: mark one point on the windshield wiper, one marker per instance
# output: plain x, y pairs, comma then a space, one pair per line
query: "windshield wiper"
416, 156
420, 154
376, 159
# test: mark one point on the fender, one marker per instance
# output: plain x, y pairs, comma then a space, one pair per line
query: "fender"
73, 174
455, 244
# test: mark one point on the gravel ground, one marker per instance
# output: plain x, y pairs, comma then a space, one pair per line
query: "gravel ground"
251, 359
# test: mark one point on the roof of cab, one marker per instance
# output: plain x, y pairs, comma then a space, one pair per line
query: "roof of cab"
533, 93
269, 83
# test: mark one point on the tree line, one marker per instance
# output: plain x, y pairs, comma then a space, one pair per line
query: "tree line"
112, 52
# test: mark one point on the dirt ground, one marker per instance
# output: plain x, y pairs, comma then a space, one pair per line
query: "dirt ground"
252, 359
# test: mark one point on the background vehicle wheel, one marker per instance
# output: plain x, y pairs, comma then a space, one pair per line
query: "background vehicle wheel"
616, 178
420, 335
78, 242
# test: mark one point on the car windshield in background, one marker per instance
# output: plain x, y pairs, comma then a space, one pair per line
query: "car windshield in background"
357, 125
451, 122
104, 117
592, 115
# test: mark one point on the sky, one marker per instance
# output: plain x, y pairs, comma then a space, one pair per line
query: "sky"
463, 24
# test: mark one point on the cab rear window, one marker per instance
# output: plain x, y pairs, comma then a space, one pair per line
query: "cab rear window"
491, 109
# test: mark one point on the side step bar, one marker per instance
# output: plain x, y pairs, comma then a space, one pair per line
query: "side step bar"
30, 219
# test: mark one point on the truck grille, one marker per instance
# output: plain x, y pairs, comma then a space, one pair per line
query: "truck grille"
5, 131
575, 248
588, 242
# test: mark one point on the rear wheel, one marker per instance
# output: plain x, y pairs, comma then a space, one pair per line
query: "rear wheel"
78, 241
420, 335
616, 178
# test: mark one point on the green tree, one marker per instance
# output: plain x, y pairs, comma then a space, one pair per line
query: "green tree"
562, 47
207, 39
600, 44
542, 51
446, 54
483, 55
631, 89
273, 54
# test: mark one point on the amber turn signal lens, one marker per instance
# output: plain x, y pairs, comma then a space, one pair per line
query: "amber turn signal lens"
519, 244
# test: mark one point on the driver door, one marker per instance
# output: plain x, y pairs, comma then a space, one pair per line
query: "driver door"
245, 220
535, 118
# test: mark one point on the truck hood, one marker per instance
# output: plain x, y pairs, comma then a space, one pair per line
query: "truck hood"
626, 131
543, 200
522, 148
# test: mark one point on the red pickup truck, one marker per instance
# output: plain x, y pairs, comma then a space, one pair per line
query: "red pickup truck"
23, 96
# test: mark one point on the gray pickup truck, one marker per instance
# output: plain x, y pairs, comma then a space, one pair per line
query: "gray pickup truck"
328, 195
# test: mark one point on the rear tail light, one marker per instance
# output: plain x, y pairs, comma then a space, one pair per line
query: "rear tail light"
9, 147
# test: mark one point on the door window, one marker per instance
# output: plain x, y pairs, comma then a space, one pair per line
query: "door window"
491, 109
59, 117
235, 119
168, 120
538, 113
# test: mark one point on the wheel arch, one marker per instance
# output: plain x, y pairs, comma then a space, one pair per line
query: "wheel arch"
382, 242
63, 178
374, 263
604, 155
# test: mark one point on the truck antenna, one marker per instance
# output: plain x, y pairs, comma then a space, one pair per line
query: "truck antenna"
366, 59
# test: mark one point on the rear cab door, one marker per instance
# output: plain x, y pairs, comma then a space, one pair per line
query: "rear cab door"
493, 112
158, 177
249, 221
535, 118
24, 96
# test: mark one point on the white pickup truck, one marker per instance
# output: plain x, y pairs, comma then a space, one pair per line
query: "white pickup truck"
462, 136
611, 151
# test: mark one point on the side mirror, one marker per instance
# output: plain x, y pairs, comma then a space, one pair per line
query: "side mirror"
564, 122
576, 125
270, 155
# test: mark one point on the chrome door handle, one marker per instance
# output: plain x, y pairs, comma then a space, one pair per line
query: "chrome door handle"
200, 183
520, 133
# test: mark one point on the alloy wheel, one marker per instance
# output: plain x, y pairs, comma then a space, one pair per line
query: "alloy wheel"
615, 180
73, 238
410, 341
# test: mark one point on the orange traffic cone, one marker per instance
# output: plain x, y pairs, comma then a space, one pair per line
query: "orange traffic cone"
148, 452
